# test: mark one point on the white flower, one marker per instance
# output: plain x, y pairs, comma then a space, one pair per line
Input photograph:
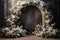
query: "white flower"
44, 29
18, 3
7, 29
35, 1
47, 21
18, 34
13, 16
8, 20
37, 25
41, 3
54, 32
23, 2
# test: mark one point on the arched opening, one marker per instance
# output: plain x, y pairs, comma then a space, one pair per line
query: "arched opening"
31, 16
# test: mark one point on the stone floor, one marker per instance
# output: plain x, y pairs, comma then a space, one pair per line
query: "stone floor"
30, 37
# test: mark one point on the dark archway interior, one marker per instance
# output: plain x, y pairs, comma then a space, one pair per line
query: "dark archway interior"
31, 16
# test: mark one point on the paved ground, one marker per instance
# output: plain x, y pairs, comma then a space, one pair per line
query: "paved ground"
31, 37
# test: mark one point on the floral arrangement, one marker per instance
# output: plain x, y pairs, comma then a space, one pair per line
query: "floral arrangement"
13, 30
47, 30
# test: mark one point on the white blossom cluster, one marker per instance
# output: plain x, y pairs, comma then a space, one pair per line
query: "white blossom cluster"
13, 32
46, 30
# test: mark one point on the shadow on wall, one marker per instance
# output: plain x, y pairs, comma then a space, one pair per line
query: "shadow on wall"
1, 13
54, 7
56, 14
